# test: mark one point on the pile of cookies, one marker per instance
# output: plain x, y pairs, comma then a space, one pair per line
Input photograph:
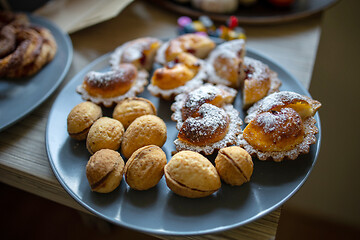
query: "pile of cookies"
24, 48
202, 81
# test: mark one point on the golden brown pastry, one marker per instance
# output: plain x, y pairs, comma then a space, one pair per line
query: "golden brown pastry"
197, 45
104, 170
191, 175
143, 131
80, 119
205, 119
280, 126
110, 87
140, 52
183, 74
234, 165
127, 110
259, 81
104, 133
145, 167
225, 63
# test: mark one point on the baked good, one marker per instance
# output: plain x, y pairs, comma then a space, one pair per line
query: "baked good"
24, 48
280, 126
80, 119
143, 131
145, 167
110, 87
189, 174
215, 6
198, 45
104, 171
140, 52
225, 63
234, 165
104, 133
259, 81
183, 74
206, 119
127, 110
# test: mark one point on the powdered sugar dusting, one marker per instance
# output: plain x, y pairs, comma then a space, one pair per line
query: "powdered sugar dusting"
104, 79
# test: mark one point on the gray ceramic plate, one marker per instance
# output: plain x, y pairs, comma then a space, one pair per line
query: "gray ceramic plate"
158, 210
18, 97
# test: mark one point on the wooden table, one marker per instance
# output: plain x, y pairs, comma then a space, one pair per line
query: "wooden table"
23, 159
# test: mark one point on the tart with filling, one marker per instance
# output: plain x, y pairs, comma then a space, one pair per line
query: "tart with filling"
280, 126
110, 87
206, 119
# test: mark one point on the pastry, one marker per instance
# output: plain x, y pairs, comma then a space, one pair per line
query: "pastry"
183, 74
145, 167
110, 87
104, 171
24, 48
143, 131
104, 133
127, 110
140, 52
259, 81
234, 165
225, 63
80, 119
189, 174
280, 126
215, 6
198, 45
206, 119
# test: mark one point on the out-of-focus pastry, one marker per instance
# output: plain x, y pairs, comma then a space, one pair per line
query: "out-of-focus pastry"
104, 133
110, 87
189, 174
127, 110
280, 126
143, 131
80, 119
104, 170
225, 63
198, 45
234, 165
206, 119
259, 81
215, 6
145, 167
140, 52
183, 74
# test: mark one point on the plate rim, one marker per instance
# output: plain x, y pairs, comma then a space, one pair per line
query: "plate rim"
183, 233
69, 47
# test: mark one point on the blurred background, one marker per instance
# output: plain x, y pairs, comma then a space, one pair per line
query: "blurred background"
326, 207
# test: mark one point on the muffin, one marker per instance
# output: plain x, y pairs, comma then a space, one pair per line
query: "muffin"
80, 119
129, 109
145, 167
104, 170
234, 165
143, 131
104, 133
190, 174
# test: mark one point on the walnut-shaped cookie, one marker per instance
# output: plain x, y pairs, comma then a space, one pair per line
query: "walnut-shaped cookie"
104, 170
280, 126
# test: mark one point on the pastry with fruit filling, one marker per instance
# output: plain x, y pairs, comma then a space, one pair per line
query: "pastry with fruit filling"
183, 74
280, 126
206, 119
198, 45
140, 52
259, 81
110, 87
225, 63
